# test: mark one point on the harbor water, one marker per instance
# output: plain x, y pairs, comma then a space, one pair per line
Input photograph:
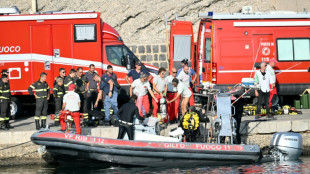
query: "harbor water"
300, 166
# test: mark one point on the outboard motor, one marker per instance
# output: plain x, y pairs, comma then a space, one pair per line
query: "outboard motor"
286, 146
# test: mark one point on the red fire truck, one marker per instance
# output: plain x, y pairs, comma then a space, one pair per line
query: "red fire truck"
35, 43
229, 47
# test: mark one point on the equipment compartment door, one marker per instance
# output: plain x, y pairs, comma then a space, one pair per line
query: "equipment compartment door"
62, 48
41, 51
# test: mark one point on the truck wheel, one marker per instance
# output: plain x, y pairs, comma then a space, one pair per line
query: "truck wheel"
15, 108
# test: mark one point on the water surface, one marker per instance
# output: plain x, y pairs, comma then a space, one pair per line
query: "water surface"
300, 166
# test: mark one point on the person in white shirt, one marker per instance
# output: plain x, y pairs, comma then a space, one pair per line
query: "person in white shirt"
140, 87
270, 68
265, 81
160, 89
72, 103
185, 77
173, 107
181, 91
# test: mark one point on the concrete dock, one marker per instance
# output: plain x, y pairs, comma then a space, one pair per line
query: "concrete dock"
16, 147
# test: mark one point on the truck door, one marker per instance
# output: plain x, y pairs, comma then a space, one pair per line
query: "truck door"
181, 43
41, 49
204, 53
62, 47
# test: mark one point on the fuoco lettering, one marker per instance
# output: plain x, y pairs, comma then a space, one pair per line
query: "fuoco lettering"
10, 49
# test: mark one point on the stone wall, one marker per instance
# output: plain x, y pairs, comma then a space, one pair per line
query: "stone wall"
153, 54
143, 22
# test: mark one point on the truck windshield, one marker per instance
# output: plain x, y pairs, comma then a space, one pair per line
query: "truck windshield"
208, 50
116, 54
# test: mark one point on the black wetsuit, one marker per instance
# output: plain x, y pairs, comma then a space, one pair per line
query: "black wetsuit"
125, 115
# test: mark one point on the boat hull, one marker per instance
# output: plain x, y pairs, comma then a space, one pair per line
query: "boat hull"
144, 153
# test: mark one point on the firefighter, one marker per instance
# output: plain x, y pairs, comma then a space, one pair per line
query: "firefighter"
62, 74
5, 100
141, 87
5, 71
265, 82
81, 81
58, 93
190, 75
126, 114
159, 88
108, 85
72, 103
91, 88
69, 79
183, 91
135, 74
42, 95
270, 68
172, 108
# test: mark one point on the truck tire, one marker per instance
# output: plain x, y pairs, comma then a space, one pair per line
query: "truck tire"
15, 108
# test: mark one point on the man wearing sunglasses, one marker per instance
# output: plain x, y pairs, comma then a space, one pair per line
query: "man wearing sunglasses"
160, 88
62, 74
263, 80
136, 73
173, 107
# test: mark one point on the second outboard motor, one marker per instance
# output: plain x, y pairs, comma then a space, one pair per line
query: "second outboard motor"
286, 146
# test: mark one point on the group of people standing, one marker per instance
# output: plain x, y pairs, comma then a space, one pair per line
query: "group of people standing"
90, 87
265, 78
175, 88
84, 85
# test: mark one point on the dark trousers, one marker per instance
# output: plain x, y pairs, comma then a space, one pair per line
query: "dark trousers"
83, 99
263, 98
123, 129
58, 105
5, 109
91, 99
41, 109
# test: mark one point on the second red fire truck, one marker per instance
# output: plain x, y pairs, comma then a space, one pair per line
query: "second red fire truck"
229, 47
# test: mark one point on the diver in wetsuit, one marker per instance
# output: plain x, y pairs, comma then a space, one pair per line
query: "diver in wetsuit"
125, 115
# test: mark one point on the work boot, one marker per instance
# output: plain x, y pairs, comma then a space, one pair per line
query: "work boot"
2, 125
43, 123
85, 122
37, 124
7, 125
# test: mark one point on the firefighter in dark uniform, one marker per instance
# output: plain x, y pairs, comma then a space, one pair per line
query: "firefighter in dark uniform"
62, 74
126, 114
42, 95
69, 79
92, 88
58, 93
81, 81
5, 100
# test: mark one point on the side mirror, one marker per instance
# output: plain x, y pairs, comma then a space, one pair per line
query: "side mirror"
203, 69
128, 62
